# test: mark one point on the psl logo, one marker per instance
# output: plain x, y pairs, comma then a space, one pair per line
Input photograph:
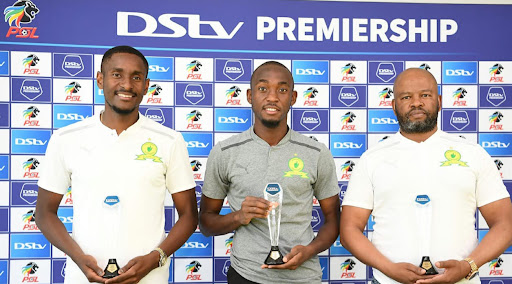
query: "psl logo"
154, 90
494, 264
346, 170
425, 66
29, 219
28, 166
196, 165
191, 117
385, 95
496, 69
499, 165
345, 267
346, 71
494, 118
29, 270
349, 117
29, 62
191, 268
229, 244
192, 67
71, 89
28, 114
232, 93
21, 12
68, 197
460, 93
309, 94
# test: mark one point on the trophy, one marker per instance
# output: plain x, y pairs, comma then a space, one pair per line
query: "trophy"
274, 194
112, 213
424, 221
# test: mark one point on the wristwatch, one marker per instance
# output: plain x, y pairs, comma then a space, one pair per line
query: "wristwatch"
474, 268
163, 257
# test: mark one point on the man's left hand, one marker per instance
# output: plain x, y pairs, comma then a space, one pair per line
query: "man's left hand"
294, 259
455, 270
136, 269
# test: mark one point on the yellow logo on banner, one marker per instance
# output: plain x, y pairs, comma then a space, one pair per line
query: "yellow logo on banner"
453, 158
296, 165
149, 150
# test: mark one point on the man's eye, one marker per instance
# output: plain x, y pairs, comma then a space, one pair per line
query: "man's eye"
262, 89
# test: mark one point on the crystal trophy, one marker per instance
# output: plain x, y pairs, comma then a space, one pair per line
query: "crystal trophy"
424, 223
274, 194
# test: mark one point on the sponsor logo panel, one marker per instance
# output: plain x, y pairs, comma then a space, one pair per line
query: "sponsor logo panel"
348, 96
221, 267
231, 95
310, 120
4, 272
64, 115
37, 64
4, 218
384, 72
228, 70
504, 166
312, 96
4, 63
496, 144
76, 91
24, 193
196, 246
223, 245
194, 69
382, 121
374, 139
160, 68
4, 115
188, 94
162, 115
495, 120
30, 271
193, 270
159, 94
498, 267
460, 96
348, 120
460, 72
4, 167
348, 145
495, 72
380, 96
29, 246
348, 72
31, 90
344, 168
306, 71
198, 144
347, 268
198, 166
434, 67
459, 120
229, 119
25, 167
72, 65
495, 96
99, 97
31, 115
29, 141
58, 270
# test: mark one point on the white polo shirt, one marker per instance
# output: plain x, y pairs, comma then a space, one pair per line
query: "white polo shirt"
458, 176
137, 167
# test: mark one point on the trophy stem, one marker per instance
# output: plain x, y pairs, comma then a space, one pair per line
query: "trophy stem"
275, 257
428, 266
112, 269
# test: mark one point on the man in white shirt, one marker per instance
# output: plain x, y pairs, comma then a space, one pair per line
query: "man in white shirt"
423, 187
120, 165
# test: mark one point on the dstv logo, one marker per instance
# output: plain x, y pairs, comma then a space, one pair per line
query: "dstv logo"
233, 69
195, 245
459, 72
29, 141
347, 145
310, 120
157, 68
385, 71
71, 116
193, 93
300, 71
384, 120
232, 119
197, 144
495, 144
31, 246
460, 119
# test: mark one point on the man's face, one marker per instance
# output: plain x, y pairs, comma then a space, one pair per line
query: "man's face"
271, 95
416, 103
124, 83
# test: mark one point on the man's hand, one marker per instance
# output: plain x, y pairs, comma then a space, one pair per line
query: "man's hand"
136, 269
454, 271
252, 207
406, 273
90, 268
297, 256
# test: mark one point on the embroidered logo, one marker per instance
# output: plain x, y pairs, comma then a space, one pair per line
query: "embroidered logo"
296, 165
453, 158
149, 150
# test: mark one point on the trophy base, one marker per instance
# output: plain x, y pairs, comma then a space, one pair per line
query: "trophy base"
428, 266
275, 257
112, 269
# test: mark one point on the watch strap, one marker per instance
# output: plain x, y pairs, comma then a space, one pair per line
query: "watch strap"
474, 268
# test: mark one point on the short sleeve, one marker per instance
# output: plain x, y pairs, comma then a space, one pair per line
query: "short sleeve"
216, 184
55, 175
489, 185
179, 175
360, 189
326, 184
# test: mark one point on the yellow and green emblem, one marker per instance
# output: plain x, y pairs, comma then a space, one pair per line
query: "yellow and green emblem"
149, 150
296, 165
453, 158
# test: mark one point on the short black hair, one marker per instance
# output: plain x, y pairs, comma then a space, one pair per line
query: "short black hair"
124, 49
272, 63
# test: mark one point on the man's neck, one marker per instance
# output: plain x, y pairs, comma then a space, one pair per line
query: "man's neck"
271, 135
118, 122
419, 137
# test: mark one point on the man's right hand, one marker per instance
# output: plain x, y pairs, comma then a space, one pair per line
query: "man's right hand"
406, 273
252, 207
89, 266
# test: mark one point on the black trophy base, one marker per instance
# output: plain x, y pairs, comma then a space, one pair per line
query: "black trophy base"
112, 269
275, 257
428, 266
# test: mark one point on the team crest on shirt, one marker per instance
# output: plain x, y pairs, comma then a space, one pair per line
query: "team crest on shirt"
296, 165
149, 150
453, 158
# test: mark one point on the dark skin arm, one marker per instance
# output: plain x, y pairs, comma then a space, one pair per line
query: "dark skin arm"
324, 239
352, 223
186, 205
53, 229
213, 224
498, 215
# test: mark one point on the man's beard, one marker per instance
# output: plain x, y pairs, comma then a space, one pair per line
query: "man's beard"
120, 110
413, 127
270, 123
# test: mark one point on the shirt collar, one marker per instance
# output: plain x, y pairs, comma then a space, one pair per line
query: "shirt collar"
258, 139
